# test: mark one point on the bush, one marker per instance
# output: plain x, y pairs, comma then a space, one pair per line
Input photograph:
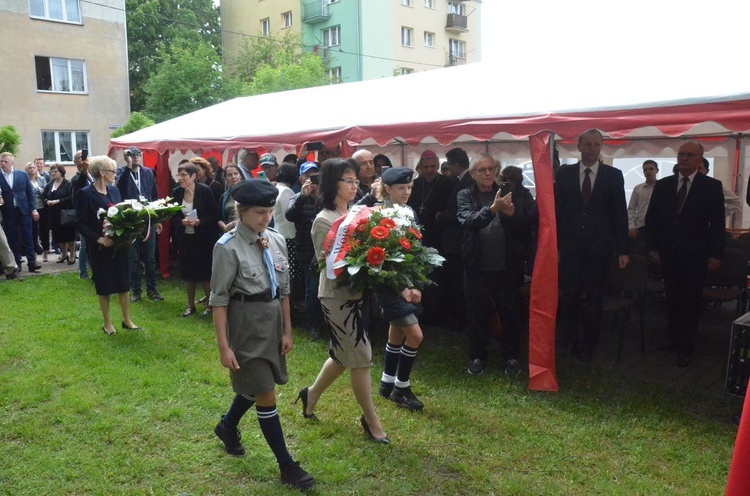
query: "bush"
10, 140
136, 121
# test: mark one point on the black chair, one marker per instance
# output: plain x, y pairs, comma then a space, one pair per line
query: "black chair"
729, 283
626, 288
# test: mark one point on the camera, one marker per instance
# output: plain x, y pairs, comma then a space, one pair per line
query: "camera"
128, 154
505, 188
314, 146
84, 154
314, 179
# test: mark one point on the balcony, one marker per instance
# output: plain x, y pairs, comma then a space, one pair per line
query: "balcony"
456, 60
457, 23
315, 12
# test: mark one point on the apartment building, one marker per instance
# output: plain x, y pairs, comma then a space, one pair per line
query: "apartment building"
64, 82
365, 39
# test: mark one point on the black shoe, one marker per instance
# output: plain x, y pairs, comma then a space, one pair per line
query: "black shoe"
404, 398
476, 366
230, 437
34, 268
303, 396
136, 328
154, 295
84, 276
293, 475
135, 297
385, 391
381, 440
16, 274
188, 312
512, 367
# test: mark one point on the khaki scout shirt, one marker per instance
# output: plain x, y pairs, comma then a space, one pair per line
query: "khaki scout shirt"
238, 265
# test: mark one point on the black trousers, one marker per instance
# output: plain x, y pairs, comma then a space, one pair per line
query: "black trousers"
582, 274
487, 292
683, 284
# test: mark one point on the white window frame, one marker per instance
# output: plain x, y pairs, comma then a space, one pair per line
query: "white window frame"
70, 69
430, 4
403, 71
331, 36
457, 8
429, 39
77, 140
49, 11
265, 27
407, 37
286, 19
406, 3
453, 44
334, 74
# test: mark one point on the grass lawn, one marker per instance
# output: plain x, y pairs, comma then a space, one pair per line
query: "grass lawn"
83, 413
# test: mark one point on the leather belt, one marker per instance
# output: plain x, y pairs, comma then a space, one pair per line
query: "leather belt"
265, 296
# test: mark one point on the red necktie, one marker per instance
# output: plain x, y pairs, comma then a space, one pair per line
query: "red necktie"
586, 187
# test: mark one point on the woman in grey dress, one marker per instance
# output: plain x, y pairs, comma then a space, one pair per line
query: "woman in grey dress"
344, 311
250, 301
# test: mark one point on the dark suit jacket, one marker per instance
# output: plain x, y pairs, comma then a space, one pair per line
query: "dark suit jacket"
452, 230
128, 188
427, 199
88, 201
205, 206
22, 191
697, 231
599, 228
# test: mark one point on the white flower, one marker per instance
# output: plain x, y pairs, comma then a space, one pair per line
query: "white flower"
100, 212
112, 211
137, 207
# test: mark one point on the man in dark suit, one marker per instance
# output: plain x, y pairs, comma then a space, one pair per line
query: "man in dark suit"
19, 210
592, 222
685, 234
452, 305
138, 183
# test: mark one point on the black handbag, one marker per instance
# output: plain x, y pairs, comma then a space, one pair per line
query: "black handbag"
68, 217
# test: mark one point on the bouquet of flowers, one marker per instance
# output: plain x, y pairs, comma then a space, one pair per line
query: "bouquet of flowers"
382, 248
125, 221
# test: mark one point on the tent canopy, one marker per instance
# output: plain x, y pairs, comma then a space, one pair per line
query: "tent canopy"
475, 101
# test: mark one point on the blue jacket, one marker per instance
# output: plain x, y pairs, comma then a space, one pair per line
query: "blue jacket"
22, 191
128, 188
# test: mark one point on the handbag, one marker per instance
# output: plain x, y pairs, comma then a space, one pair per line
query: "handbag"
68, 217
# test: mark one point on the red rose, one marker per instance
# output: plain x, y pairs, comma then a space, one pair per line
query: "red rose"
416, 233
405, 243
362, 225
380, 232
375, 255
389, 223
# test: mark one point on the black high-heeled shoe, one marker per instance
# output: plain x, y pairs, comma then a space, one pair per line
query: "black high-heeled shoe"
62, 259
380, 440
136, 328
303, 396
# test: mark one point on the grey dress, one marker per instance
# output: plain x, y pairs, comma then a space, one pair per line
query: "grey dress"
254, 329
345, 311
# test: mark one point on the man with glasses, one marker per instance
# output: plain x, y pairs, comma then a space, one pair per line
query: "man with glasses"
366, 173
489, 279
592, 223
138, 183
18, 211
685, 235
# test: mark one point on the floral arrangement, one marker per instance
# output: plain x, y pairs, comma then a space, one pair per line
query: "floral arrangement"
385, 250
125, 221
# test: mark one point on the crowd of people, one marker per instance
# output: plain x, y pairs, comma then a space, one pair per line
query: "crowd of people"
251, 235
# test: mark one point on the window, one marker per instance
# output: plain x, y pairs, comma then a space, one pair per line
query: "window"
56, 10
430, 4
334, 74
406, 3
406, 36
286, 19
60, 146
65, 75
402, 71
331, 36
456, 8
265, 27
457, 52
429, 39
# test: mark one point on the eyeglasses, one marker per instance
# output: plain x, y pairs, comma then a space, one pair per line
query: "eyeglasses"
367, 162
350, 182
110, 170
486, 170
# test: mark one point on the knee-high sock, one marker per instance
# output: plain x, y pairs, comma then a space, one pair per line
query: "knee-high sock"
240, 406
392, 354
270, 425
405, 364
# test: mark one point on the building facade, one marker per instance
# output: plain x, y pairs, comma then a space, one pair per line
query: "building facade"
65, 75
365, 39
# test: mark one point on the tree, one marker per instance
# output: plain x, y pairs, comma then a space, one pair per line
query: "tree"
10, 140
189, 78
154, 25
135, 122
306, 73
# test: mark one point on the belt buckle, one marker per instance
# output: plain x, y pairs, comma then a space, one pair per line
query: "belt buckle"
267, 296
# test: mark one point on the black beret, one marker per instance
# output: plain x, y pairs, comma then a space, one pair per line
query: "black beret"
255, 193
397, 175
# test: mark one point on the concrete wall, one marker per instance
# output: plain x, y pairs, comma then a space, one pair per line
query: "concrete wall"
100, 41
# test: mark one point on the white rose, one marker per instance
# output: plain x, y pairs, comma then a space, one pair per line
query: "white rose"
100, 212
112, 211
137, 207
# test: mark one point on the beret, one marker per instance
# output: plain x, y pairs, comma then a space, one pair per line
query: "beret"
255, 193
307, 166
267, 158
397, 175
428, 154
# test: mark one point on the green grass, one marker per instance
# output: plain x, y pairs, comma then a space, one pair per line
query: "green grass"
83, 413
